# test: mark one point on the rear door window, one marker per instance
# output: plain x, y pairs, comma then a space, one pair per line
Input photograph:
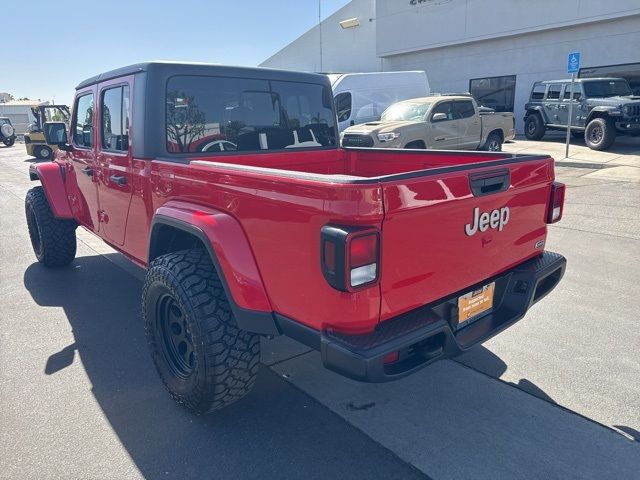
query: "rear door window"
83, 122
220, 114
115, 119
554, 91
464, 109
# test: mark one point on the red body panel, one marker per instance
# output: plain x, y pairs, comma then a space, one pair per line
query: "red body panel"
231, 248
50, 175
427, 216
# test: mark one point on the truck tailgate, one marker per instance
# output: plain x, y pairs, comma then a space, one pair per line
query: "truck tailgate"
430, 248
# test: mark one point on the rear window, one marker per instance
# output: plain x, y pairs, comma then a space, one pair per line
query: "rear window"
538, 92
220, 114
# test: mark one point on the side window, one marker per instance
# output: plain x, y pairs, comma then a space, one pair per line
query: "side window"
554, 91
343, 106
444, 107
464, 109
576, 92
115, 119
83, 122
538, 91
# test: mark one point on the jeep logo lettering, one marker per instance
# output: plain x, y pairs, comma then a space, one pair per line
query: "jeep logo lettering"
494, 219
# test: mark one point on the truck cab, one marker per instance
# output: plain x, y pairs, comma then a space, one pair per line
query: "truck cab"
228, 186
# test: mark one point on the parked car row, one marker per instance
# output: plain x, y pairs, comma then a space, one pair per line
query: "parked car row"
602, 108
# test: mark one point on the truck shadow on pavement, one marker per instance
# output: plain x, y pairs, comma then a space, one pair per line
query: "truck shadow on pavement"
275, 432
485, 361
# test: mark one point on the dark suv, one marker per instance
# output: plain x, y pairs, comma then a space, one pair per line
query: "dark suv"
602, 109
7, 132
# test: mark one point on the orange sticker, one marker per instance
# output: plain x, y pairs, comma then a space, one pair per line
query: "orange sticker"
476, 302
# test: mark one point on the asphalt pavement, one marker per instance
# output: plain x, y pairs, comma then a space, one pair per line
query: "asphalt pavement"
555, 396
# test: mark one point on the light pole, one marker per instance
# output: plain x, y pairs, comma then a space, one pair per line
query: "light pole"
320, 33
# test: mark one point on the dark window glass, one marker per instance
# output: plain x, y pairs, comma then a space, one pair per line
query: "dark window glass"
83, 121
446, 108
115, 119
607, 88
464, 109
343, 106
538, 91
218, 114
554, 91
494, 92
567, 92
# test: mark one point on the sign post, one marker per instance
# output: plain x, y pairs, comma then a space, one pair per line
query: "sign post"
573, 66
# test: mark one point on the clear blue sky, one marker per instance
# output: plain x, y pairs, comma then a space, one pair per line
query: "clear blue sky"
51, 45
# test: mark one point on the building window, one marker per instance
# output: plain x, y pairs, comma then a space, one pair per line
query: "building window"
494, 92
629, 71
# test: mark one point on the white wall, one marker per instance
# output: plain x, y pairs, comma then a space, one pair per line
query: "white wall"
409, 25
343, 50
531, 57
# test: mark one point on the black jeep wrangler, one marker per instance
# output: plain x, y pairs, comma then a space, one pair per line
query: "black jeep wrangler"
7, 132
602, 109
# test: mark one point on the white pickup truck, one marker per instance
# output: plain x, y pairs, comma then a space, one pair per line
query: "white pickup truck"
448, 122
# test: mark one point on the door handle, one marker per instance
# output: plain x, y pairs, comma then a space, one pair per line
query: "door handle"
437, 139
88, 171
118, 179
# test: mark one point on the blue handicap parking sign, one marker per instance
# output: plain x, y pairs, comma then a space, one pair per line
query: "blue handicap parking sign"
573, 62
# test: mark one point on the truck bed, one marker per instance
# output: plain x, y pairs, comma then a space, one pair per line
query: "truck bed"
420, 201
357, 165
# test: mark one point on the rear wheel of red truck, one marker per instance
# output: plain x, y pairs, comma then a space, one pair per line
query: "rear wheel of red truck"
204, 360
53, 239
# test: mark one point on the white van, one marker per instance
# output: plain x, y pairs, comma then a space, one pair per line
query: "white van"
362, 97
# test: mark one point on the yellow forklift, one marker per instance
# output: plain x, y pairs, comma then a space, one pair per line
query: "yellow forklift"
34, 140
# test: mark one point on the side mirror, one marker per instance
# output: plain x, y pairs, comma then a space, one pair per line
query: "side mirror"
56, 134
438, 117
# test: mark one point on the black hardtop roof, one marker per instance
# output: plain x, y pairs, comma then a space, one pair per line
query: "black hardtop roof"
187, 68
579, 80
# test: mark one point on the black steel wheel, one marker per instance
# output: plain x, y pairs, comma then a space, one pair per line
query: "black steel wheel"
177, 344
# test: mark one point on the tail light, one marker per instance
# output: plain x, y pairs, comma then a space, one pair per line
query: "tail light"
350, 256
556, 202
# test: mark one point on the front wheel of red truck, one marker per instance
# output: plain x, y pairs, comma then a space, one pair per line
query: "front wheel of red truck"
53, 239
204, 360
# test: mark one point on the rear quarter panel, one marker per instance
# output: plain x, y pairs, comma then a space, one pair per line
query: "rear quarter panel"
282, 218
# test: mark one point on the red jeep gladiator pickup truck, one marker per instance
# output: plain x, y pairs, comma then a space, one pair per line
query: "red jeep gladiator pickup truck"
229, 186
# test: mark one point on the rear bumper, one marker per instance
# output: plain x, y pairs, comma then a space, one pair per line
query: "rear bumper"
429, 333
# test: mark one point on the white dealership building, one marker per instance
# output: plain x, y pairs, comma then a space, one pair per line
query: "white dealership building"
494, 49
